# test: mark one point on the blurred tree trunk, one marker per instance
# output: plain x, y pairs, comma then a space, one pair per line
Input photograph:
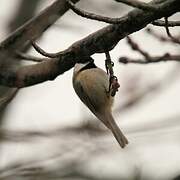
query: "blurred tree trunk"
24, 12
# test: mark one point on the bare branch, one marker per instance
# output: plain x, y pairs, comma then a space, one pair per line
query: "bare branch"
44, 53
92, 16
136, 47
82, 49
25, 11
176, 40
35, 27
148, 58
162, 23
140, 5
134, 97
152, 59
137, 4
159, 36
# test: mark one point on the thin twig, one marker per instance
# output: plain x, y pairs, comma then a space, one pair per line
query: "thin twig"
134, 96
151, 59
167, 28
176, 40
140, 5
136, 47
162, 23
92, 16
159, 36
35, 27
148, 58
93, 43
44, 53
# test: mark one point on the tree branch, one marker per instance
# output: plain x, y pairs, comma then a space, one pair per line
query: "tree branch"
82, 49
159, 36
92, 16
176, 40
35, 27
162, 23
140, 5
136, 47
137, 4
151, 59
44, 53
147, 57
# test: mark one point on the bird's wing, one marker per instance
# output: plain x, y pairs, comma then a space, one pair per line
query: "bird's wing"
84, 97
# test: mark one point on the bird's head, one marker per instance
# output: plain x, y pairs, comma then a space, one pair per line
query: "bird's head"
84, 66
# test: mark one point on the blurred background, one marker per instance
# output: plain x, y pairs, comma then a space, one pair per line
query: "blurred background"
47, 133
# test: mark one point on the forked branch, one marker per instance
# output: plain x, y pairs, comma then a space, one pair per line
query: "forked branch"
80, 50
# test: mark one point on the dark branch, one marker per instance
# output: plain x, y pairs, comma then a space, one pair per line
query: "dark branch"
92, 16
162, 23
35, 27
159, 36
152, 59
136, 47
82, 49
137, 4
147, 57
140, 5
44, 53
176, 40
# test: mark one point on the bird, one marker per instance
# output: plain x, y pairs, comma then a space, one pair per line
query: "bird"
91, 84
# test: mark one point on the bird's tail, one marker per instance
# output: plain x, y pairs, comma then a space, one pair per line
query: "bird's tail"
111, 124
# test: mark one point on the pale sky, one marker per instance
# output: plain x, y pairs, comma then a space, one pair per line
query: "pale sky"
51, 104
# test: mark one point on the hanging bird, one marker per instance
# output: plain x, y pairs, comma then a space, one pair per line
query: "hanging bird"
91, 84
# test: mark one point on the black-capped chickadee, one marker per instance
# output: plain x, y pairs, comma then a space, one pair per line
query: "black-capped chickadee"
91, 84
